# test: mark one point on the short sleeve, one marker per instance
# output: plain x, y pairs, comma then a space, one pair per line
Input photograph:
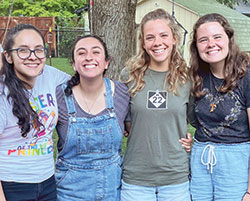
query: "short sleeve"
246, 88
124, 75
59, 76
121, 101
3, 112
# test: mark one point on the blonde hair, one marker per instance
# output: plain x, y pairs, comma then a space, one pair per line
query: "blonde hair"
137, 65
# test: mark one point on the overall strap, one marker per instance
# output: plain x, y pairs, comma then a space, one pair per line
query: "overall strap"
108, 94
69, 101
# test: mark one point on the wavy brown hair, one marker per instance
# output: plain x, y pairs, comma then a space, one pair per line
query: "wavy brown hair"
236, 62
137, 65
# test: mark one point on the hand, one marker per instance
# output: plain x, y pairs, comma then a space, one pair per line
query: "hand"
126, 133
246, 197
187, 142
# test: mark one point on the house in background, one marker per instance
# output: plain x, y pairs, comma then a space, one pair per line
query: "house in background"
188, 11
243, 8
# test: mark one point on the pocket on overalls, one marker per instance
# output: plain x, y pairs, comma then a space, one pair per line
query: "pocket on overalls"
60, 173
94, 140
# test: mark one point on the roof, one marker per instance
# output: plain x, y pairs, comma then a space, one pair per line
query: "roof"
243, 8
238, 21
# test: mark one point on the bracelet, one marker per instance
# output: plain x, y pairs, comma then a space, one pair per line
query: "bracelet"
247, 193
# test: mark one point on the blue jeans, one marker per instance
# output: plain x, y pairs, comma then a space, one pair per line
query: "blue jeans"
44, 191
219, 172
178, 192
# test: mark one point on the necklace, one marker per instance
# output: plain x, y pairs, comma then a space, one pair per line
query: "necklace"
89, 108
216, 98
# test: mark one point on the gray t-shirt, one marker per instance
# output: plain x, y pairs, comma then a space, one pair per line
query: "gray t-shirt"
121, 102
154, 156
30, 159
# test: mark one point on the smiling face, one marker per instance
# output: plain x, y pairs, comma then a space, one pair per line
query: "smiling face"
158, 43
28, 69
212, 43
89, 58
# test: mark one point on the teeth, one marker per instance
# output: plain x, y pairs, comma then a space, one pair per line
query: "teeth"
89, 66
212, 52
32, 65
158, 51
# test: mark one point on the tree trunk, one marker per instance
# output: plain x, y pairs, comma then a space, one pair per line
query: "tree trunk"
114, 21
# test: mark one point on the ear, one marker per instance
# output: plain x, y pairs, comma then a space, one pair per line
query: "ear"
107, 64
8, 57
73, 64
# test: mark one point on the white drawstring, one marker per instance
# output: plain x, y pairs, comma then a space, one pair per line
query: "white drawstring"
211, 159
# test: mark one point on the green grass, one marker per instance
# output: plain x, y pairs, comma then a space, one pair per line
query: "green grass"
64, 65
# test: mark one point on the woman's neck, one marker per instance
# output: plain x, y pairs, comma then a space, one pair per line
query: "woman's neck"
90, 95
159, 66
217, 69
217, 72
91, 87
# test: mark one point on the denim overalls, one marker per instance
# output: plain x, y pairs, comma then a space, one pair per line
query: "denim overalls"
89, 166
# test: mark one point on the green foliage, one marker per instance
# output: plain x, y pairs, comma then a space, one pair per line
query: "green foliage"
56, 8
63, 10
66, 35
231, 3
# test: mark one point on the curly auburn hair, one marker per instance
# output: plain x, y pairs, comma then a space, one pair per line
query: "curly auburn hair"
236, 62
137, 65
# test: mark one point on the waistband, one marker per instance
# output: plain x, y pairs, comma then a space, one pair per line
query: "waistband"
222, 145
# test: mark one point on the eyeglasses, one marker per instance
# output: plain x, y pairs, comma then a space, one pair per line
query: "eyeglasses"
25, 53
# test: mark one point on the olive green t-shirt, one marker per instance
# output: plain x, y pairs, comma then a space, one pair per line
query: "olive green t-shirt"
154, 156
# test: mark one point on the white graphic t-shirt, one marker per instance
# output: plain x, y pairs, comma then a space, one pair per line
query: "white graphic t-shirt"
30, 159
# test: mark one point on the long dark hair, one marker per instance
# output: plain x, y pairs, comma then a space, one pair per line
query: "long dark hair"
75, 79
18, 95
236, 61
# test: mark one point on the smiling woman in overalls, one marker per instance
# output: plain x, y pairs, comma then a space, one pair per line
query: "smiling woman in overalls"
92, 110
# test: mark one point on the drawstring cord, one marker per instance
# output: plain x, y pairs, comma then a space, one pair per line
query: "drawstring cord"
211, 158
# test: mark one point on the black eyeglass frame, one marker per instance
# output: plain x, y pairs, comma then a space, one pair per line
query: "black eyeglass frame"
31, 51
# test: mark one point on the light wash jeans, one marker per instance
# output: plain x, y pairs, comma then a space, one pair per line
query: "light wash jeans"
178, 192
219, 172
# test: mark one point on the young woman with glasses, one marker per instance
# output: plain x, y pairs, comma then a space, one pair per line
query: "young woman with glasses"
28, 115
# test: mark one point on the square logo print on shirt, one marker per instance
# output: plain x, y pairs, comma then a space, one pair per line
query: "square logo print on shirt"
157, 100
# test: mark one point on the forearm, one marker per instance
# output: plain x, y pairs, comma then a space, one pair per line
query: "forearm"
2, 197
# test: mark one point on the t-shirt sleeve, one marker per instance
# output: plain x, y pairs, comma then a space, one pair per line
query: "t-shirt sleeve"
62, 124
121, 102
124, 75
190, 111
3, 113
59, 76
246, 85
